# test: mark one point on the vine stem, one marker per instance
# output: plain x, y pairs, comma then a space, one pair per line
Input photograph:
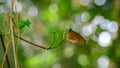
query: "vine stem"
8, 63
12, 35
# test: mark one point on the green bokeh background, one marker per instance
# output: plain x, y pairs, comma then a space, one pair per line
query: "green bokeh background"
67, 55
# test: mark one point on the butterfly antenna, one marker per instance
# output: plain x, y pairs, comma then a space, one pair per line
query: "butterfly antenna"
70, 29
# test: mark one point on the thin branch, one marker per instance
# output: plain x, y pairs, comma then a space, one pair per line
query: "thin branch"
8, 63
37, 45
31, 43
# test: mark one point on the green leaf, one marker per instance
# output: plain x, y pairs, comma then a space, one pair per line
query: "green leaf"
27, 22
24, 23
50, 30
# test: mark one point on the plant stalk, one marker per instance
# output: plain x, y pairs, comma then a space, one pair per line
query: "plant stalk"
8, 63
12, 35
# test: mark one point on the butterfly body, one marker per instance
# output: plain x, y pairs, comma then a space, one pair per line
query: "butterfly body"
75, 38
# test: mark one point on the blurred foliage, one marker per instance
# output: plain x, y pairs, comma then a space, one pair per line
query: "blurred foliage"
49, 27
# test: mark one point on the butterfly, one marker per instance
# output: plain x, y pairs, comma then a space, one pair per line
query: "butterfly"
75, 38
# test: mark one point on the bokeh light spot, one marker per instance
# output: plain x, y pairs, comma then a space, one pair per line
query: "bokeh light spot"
99, 2
33, 11
78, 19
113, 27
103, 62
53, 8
69, 51
18, 7
83, 60
87, 30
104, 39
97, 20
85, 16
104, 24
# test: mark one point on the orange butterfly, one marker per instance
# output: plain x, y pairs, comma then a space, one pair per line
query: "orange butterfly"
75, 38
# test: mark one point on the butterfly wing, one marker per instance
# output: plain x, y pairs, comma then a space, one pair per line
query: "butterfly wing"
71, 37
75, 38
81, 40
